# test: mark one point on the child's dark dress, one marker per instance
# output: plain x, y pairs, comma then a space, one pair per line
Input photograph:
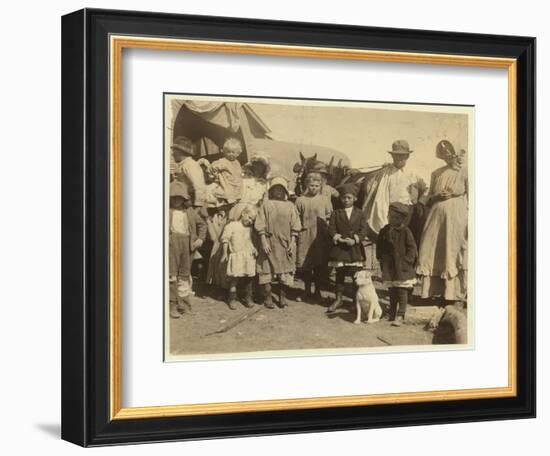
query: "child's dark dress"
354, 227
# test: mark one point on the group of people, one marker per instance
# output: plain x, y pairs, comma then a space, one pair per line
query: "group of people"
259, 237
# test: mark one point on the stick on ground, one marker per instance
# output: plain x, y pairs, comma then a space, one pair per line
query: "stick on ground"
236, 322
384, 340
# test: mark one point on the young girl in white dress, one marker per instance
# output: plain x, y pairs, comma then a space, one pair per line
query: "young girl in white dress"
240, 253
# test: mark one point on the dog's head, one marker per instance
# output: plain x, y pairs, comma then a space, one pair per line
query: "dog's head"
362, 277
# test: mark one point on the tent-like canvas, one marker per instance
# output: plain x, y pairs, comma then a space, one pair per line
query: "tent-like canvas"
209, 123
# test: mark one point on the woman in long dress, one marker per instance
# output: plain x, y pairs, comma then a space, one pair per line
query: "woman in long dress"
443, 256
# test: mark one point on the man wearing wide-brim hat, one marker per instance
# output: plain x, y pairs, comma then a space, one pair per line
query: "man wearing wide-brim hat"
394, 183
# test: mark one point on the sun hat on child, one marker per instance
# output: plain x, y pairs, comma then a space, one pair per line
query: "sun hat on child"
279, 180
259, 158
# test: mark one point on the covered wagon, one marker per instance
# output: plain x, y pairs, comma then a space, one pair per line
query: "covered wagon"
209, 123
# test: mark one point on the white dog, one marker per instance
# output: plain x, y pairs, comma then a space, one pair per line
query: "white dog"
366, 298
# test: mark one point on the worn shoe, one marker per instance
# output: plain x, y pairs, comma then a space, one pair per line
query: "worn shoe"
185, 305
307, 289
232, 300
268, 299
317, 297
282, 298
399, 320
174, 311
268, 302
337, 302
248, 300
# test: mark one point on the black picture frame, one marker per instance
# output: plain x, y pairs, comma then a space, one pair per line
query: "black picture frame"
86, 217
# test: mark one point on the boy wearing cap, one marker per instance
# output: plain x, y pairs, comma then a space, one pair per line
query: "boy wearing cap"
396, 251
187, 232
347, 228
188, 171
278, 225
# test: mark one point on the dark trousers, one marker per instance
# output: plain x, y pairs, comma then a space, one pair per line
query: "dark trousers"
180, 256
399, 298
180, 262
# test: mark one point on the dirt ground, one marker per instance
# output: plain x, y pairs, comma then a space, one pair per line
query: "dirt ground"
302, 325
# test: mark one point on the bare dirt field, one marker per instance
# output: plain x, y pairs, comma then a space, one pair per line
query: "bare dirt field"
301, 325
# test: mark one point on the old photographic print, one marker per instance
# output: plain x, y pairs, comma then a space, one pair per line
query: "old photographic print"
296, 227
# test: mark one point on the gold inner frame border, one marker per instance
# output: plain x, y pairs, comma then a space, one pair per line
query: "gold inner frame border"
116, 46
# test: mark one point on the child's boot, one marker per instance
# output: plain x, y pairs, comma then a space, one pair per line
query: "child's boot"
399, 320
282, 296
268, 300
174, 310
317, 280
402, 299
184, 295
339, 298
393, 303
307, 288
184, 304
317, 297
248, 301
232, 299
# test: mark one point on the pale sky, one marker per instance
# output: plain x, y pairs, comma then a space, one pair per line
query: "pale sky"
366, 134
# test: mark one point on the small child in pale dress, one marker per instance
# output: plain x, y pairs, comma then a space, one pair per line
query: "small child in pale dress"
229, 171
254, 188
240, 254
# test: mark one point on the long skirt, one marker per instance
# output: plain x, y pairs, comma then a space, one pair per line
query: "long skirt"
443, 255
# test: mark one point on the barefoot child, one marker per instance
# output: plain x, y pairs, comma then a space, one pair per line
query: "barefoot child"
187, 233
347, 228
278, 225
396, 251
240, 254
312, 253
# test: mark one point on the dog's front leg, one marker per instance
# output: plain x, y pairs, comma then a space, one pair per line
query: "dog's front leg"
358, 309
371, 311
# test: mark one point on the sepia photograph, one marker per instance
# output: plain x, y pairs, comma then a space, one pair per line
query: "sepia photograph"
301, 227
